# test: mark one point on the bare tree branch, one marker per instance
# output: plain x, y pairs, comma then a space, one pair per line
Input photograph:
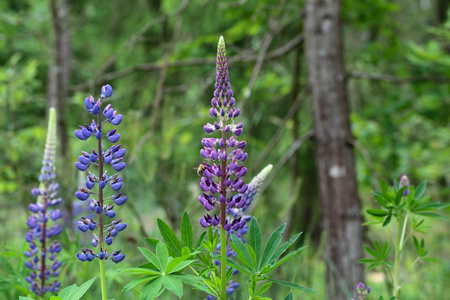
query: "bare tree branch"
394, 79
294, 147
276, 137
163, 74
149, 67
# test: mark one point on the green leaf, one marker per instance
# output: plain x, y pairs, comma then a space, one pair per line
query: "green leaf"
271, 246
81, 290
377, 212
64, 294
263, 288
169, 237
284, 247
192, 280
135, 282
420, 190
152, 242
173, 284
187, 237
387, 220
284, 259
140, 271
291, 285
200, 240
255, 239
173, 268
289, 296
51, 298
243, 249
238, 267
151, 257
151, 290
25, 298
163, 255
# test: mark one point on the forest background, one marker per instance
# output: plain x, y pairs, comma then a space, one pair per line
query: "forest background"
159, 57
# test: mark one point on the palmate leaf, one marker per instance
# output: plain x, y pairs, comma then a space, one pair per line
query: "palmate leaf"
255, 239
152, 289
163, 255
187, 236
169, 237
135, 282
75, 292
151, 257
420, 190
243, 252
173, 284
291, 285
271, 246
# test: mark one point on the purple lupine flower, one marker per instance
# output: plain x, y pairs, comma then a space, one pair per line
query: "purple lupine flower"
222, 170
42, 249
102, 206
238, 213
404, 181
362, 290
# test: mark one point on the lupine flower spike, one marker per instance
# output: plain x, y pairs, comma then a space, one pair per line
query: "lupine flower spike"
96, 186
224, 155
404, 181
41, 254
362, 290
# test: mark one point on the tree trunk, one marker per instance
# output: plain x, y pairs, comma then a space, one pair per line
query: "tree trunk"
59, 71
334, 153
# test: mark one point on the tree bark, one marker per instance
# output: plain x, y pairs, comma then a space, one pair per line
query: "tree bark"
59, 70
334, 154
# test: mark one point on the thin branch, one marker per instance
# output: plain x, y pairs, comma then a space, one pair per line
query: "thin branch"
134, 38
394, 79
163, 74
276, 137
148, 67
294, 147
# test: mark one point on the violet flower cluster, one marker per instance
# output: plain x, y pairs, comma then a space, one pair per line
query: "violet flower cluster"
404, 181
249, 195
42, 248
223, 169
362, 290
101, 205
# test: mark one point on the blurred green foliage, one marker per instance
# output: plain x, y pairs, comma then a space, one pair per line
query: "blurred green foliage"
400, 123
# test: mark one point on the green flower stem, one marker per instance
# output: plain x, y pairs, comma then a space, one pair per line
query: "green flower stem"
223, 264
402, 241
103, 279
397, 260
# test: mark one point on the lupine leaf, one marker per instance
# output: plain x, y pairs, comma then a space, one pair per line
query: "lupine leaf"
200, 240
263, 288
238, 267
291, 285
151, 257
64, 294
192, 280
135, 282
169, 237
271, 246
152, 242
81, 290
25, 298
187, 237
51, 298
285, 258
173, 284
151, 290
377, 212
140, 271
243, 258
163, 255
284, 247
241, 246
178, 267
256, 239
420, 190
289, 296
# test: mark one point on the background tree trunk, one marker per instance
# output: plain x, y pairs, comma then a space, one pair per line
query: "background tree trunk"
334, 153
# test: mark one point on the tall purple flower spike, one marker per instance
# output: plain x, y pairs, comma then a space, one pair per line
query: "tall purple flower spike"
224, 155
98, 184
43, 248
